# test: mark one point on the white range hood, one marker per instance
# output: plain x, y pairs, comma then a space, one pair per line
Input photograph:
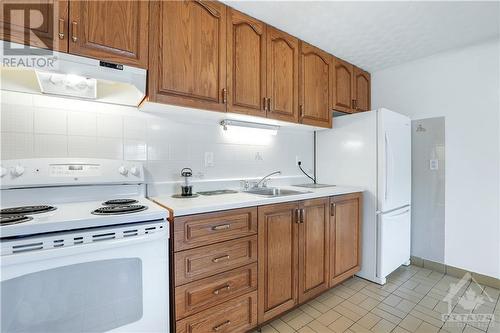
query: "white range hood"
38, 71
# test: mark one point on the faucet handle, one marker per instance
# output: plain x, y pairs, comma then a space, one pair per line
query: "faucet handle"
244, 184
264, 183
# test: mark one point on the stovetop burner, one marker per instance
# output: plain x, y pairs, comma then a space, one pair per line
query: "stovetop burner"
27, 210
14, 219
119, 210
120, 202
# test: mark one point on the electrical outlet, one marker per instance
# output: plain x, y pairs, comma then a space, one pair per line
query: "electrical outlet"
209, 159
259, 156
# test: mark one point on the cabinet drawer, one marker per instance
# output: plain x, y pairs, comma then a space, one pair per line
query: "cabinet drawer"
202, 294
237, 315
203, 229
209, 260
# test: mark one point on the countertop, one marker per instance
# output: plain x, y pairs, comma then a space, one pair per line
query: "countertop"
204, 204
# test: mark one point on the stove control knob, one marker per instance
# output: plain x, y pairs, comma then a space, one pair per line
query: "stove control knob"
17, 171
122, 170
135, 171
3, 171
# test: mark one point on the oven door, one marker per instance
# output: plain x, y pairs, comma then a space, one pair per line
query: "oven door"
102, 280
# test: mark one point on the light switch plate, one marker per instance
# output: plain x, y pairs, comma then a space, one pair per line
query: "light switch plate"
433, 164
209, 159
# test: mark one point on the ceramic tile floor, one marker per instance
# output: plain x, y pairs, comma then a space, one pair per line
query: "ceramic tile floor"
413, 300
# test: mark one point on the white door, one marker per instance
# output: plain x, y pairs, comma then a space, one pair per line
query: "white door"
394, 240
394, 160
107, 279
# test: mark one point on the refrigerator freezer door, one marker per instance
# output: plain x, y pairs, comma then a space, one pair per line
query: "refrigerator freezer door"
394, 160
394, 240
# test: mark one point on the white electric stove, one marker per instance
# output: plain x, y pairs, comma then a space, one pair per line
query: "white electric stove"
82, 248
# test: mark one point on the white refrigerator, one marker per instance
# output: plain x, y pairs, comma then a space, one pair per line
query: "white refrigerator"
373, 150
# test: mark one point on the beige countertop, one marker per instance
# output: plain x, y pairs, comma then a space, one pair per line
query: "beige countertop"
204, 204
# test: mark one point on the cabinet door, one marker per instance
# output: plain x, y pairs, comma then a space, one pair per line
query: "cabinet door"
316, 71
115, 31
187, 64
278, 259
361, 86
41, 24
246, 64
282, 75
313, 248
345, 223
343, 94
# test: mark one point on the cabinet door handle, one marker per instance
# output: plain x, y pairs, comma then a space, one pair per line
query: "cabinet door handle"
222, 258
221, 227
221, 326
269, 105
302, 215
74, 31
354, 104
224, 95
265, 104
297, 215
301, 111
332, 209
217, 291
61, 28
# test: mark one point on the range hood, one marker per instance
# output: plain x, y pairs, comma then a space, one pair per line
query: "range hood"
39, 71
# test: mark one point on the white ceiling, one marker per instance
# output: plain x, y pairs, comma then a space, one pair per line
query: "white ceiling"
376, 35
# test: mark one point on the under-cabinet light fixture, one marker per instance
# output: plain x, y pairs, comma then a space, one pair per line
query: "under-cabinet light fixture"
256, 127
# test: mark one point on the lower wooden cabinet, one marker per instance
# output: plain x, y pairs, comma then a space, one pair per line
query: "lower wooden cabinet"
237, 315
203, 294
313, 248
345, 226
231, 282
278, 259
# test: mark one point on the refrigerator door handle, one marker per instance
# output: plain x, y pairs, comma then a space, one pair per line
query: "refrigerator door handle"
386, 168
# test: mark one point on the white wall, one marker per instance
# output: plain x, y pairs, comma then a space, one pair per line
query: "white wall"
462, 86
42, 126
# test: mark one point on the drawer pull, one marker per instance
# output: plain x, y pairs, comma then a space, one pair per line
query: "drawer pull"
226, 257
221, 326
227, 287
221, 227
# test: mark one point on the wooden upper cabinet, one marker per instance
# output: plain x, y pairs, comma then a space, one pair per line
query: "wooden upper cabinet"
187, 51
282, 75
41, 23
361, 87
315, 101
313, 248
343, 94
277, 259
345, 225
246, 64
115, 31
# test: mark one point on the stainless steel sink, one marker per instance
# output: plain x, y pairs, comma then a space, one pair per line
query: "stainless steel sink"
274, 192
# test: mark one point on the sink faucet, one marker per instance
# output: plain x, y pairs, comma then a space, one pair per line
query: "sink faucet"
264, 179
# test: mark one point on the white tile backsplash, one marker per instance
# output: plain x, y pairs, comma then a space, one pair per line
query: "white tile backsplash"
110, 126
51, 145
50, 121
66, 127
109, 148
82, 124
16, 145
82, 146
134, 127
17, 118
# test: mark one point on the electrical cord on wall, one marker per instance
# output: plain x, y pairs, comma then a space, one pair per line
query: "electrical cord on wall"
305, 173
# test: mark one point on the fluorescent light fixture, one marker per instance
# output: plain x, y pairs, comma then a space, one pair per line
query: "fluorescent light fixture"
243, 132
